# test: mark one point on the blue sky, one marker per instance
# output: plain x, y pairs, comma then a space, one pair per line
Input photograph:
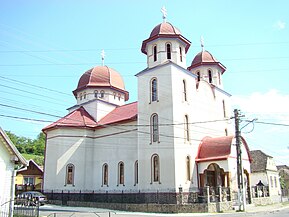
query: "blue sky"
50, 44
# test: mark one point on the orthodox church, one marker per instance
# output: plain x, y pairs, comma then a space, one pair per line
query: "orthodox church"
178, 134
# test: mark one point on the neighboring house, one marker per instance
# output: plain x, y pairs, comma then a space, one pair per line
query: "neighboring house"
29, 178
178, 135
264, 171
284, 175
9, 159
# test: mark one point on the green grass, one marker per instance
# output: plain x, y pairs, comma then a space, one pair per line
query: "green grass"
37, 158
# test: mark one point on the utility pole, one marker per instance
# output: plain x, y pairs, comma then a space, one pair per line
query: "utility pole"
241, 190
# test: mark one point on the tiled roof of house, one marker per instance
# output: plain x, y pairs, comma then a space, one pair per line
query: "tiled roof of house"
80, 118
259, 161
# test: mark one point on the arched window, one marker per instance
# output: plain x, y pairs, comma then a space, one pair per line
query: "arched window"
186, 128
69, 174
224, 108
199, 76
169, 52
188, 168
181, 54
154, 90
185, 90
210, 76
121, 173
155, 165
84, 95
154, 128
114, 95
119, 96
155, 52
219, 78
80, 96
101, 94
95, 93
136, 172
105, 174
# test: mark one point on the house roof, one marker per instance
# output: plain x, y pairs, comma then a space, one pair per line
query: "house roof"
80, 118
214, 148
31, 164
259, 161
77, 118
217, 148
18, 159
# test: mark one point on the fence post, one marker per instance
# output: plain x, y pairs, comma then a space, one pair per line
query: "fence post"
208, 194
220, 193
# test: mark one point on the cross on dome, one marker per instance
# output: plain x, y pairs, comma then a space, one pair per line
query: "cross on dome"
102, 57
202, 42
164, 12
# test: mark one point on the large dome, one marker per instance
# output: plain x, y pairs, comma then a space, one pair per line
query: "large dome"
165, 30
101, 76
205, 58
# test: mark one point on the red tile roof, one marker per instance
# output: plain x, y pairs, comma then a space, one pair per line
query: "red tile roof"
214, 148
206, 58
77, 118
122, 113
80, 118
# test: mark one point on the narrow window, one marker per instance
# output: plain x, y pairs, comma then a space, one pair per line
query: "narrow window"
210, 76
80, 96
136, 172
84, 95
154, 90
224, 108
154, 128
275, 181
105, 174
70, 174
114, 95
121, 173
119, 96
188, 164
181, 55
155, 53
155, 168
186, 127
95, 93
226, 132
101, 94
199, 76
169, 52
271, 181
185, 90
219, 78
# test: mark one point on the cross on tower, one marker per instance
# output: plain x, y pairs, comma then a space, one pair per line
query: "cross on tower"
164, 12
102, 57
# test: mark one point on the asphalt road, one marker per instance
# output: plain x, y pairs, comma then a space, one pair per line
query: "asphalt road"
63, 211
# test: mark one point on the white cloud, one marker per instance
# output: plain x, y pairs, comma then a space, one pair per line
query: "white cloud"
280, 25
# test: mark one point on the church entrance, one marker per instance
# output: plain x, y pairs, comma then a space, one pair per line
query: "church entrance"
214, 176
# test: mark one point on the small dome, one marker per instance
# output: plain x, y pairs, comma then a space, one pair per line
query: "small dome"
165, 30
101, 76
205, 58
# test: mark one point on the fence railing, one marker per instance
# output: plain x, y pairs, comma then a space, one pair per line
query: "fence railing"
260, 191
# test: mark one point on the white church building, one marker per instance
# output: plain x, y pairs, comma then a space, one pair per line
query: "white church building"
178, 135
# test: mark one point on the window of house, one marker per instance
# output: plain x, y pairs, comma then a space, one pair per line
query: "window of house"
119, 96
169, 52
181, 55
28, 181
271, 181
70, 174
186, 128
155, 168
105, 174
80, 96
224, 108
84, 95
184, 90
188, 164
95, 93
154, 128
136, 172
101, 94
275, 181
199, 76
210, 76
155, 52
114, 95
154, 90
121, 173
